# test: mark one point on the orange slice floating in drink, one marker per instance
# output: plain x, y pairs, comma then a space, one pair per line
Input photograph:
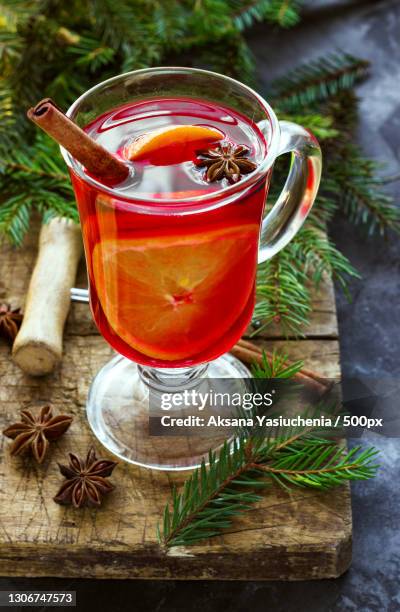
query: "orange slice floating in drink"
171, 144
171, 297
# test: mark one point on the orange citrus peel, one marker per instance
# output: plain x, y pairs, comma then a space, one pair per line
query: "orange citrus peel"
146, 145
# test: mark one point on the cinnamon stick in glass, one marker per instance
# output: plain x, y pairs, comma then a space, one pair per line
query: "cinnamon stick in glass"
96, 159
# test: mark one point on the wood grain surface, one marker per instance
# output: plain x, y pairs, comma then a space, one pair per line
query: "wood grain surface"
301, 535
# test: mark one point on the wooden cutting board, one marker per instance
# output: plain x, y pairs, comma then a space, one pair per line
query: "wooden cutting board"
296, 536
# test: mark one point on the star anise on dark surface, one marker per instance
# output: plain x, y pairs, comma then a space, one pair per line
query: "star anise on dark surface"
85, 482
10, 322
226, 160
34, 432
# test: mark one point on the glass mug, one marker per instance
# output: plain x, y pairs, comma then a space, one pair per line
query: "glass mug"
172, 279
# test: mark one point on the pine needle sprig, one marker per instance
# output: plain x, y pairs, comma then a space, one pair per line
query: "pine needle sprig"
208, 502
217, 493
282, 295
320, 125
276, 366
117, 23
283, 12
90, 53
314, 249
317, 81
47, 188
322, 465
297, 456
10, 131
343, 110
360, 193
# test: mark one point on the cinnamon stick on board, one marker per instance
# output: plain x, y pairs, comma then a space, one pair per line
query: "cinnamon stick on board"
95, 158
250, 353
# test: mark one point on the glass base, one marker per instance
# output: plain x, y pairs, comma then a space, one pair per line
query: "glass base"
118, 410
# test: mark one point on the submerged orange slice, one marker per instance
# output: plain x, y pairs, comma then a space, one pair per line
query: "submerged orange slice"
171, 297
181, 136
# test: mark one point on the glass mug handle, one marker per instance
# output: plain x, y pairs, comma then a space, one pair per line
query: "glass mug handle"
294, 203
290, 210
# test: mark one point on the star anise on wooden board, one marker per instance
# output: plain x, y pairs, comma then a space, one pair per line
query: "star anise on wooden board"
85, 482
10, 322
226, 160
34, 432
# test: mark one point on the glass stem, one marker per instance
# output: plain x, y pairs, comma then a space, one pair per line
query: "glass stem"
172, 380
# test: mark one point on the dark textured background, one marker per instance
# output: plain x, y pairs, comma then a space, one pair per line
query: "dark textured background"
370, 341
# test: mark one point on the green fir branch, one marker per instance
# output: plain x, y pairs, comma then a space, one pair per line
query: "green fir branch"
217, 493
283, 282
320, 125
46, 188
276, 366
320, 258
343, 110
91, 54
360, 194
317, 81
283, 12
9, 129
282, 295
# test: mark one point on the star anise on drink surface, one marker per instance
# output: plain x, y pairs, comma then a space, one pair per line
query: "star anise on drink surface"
10, 322
85, 482
34, 432
226, 160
